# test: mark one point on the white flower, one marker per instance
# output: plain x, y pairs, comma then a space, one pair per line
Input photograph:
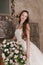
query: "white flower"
15, 60
8, 43
11, 45
5, 50
11, 61
15, 56
11, 42
11, 54
13, 48
4, 45
24, 57
3, 56
16, 51
4, 41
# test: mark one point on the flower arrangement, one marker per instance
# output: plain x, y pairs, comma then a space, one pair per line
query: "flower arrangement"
13, 53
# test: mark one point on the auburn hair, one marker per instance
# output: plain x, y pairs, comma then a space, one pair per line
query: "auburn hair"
25, 23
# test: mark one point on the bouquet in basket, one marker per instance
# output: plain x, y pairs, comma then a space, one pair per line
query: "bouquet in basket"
13, 53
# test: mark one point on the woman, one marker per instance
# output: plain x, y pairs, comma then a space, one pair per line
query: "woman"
22, 33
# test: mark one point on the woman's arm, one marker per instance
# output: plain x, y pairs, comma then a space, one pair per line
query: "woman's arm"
28, 40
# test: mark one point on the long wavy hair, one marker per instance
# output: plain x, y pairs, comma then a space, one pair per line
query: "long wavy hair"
25, 23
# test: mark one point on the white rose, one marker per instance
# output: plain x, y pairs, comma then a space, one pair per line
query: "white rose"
11, 54
8, 43
15, 60
16, 51
15, 56
5, 50
4, 41
11, 42
4, 45
11, 45
11, 61
13, 48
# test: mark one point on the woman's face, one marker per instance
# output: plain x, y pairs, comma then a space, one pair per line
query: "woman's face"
23, 17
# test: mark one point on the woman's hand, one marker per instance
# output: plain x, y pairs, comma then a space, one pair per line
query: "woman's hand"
14, 38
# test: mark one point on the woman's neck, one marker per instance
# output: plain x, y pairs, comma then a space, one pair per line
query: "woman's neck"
20, 26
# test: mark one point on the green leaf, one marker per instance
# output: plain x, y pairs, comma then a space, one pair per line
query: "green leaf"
6, 54
9, 63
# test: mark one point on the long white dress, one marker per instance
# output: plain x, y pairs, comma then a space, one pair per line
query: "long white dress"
36, 57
